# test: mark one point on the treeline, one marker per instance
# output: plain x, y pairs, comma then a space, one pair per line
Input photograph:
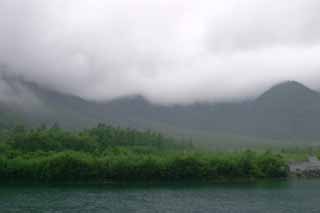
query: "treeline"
90, 140
85, 167
105, 153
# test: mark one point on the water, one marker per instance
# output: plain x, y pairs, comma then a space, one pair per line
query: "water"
276, 196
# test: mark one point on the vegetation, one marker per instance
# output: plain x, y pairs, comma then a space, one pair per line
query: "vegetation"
287, 114
106, 153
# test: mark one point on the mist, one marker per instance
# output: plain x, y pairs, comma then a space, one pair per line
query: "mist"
168, 51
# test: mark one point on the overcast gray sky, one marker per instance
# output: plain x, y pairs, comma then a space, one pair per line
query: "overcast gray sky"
169, 51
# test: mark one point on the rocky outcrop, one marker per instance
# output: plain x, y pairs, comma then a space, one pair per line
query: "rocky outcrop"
310, 168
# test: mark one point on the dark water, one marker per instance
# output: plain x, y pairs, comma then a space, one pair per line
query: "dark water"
276, 196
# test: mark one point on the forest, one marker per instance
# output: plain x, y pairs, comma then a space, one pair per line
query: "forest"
110, 154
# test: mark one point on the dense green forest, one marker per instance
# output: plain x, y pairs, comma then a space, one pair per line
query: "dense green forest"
106, 153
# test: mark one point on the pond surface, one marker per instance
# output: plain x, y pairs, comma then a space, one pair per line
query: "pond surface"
273, 196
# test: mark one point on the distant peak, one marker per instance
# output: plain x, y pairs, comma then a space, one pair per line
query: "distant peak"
291, 84
288, 91
288, 86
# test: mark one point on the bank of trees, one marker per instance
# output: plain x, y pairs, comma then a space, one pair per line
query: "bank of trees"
106, 153
90, 140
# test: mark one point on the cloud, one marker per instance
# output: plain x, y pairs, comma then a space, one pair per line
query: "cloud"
169, 51
17, 95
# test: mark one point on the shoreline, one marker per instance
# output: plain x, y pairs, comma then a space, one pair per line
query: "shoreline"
307, 169
183, 183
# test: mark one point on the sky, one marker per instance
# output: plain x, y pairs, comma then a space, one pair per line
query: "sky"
168, 51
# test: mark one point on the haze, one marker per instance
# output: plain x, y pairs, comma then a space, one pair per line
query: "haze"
169, 51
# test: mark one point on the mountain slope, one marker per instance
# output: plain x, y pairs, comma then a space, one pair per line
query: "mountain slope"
288, 94
286, 111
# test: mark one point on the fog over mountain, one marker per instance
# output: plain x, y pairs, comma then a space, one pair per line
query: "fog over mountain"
288, 111
169, 51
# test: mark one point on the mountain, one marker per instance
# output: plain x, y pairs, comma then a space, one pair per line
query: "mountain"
287, 111
289, 93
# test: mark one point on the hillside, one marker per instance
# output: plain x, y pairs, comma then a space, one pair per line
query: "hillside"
286, 111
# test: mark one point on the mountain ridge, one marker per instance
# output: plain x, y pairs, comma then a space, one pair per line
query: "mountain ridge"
288, 110
291, 92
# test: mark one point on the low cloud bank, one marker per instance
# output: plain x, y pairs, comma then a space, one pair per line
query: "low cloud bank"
169, 51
